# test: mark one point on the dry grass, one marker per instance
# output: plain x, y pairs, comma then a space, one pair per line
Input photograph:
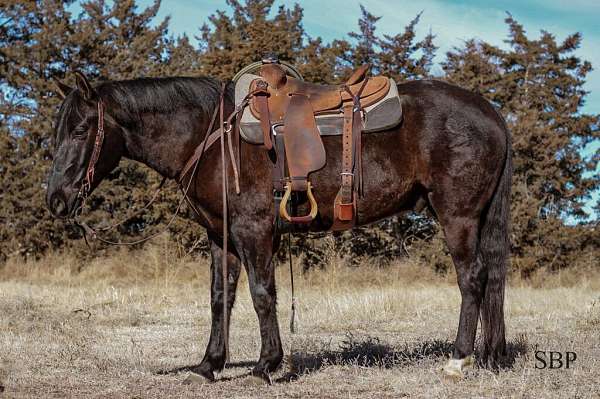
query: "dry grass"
120, 327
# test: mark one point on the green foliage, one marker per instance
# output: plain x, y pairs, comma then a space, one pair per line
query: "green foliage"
42, 41
537, 85
235, 42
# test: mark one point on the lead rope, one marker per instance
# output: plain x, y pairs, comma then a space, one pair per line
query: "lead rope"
136, 213
83, 192
293, 316
93, 233
225, 230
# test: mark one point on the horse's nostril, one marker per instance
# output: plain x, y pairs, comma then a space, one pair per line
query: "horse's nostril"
58, 206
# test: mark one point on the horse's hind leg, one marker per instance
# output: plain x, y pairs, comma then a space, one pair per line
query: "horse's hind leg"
214, 358
462, 238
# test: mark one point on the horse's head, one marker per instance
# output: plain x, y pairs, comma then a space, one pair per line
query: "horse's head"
78, 125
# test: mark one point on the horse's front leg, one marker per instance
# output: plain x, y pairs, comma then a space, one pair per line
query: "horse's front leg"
256, 246
214, 358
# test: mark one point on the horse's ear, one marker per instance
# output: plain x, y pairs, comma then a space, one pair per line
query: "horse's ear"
84, 86
61, 89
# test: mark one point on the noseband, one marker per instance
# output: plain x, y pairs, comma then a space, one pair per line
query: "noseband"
86, 184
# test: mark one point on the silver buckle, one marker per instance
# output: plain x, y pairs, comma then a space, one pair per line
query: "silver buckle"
274, 126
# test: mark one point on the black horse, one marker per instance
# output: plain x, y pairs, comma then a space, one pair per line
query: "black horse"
452, 153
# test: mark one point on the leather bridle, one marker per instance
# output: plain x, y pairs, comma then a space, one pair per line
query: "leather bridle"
226, 129
88, 178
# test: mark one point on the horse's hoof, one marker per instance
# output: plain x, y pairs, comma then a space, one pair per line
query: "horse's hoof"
454, 368
198, 379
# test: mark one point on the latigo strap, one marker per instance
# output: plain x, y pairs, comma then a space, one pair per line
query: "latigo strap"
345, 202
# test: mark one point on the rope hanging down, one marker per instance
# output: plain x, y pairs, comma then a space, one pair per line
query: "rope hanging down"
224, 270
87, 182
293, 318
226, 128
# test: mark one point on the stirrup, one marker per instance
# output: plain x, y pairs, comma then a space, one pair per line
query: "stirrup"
298, 219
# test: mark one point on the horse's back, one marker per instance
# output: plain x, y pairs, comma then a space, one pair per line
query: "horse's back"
437, 105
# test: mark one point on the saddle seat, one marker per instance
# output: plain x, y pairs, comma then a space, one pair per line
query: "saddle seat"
322, 98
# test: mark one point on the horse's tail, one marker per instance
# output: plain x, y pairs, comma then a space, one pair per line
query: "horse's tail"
495, 248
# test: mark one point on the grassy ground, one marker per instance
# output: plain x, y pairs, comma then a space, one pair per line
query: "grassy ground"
123, 326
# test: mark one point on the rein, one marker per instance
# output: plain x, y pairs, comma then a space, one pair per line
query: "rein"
192, 164
226, 128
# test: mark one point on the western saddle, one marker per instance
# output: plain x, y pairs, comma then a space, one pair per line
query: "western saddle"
288, 116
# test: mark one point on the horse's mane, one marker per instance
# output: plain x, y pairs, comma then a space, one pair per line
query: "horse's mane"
161, 95
128, 100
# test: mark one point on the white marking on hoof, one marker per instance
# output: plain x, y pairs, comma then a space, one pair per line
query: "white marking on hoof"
196, 379
454, 368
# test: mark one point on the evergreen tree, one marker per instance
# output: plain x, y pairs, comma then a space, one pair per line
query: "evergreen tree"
367, 42
231, 43
538, 85
42, 41
404, 58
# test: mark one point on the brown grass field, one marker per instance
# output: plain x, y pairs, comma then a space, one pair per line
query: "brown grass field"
122, 326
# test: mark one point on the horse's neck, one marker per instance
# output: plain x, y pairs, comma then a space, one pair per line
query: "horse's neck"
165, 142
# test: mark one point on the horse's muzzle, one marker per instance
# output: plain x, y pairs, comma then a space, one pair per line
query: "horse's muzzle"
57, 204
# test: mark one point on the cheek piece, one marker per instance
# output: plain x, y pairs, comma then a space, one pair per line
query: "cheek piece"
86, 184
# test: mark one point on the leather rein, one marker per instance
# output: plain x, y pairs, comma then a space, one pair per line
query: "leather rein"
226, 128
190, 166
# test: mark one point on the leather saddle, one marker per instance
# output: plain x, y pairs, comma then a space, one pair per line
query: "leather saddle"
322, 98
291, 115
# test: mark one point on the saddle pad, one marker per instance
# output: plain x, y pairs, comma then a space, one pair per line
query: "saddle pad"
383, 115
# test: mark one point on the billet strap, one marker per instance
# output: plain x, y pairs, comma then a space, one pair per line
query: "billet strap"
355, 130
345, 203
347, 156
357, 125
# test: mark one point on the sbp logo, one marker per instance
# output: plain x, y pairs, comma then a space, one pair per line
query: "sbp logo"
554, 360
